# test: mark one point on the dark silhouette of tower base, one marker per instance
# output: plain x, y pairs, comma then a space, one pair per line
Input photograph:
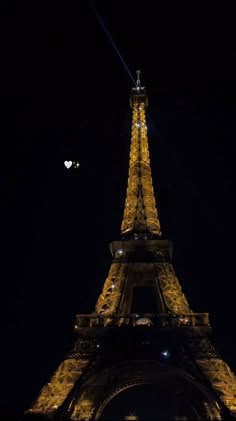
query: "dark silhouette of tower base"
143, 354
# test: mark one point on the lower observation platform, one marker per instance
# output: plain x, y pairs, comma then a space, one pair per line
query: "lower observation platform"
147, 319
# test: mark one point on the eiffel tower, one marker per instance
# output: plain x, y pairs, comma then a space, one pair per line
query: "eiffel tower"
143, 353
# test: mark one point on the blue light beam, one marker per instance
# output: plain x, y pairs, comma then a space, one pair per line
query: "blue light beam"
99, 18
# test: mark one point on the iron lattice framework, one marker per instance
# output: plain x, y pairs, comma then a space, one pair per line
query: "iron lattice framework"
117, 348
140, 214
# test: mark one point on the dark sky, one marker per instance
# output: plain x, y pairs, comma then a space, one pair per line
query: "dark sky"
64, 94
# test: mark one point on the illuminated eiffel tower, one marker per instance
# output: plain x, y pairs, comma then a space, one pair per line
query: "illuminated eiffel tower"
143, 353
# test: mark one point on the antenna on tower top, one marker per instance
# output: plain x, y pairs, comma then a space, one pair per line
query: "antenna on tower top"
138, 78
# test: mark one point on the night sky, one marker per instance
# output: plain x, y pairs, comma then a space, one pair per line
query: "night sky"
65, 96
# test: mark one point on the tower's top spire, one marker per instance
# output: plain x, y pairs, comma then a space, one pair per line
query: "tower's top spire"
140, 219
138, 79
138, 92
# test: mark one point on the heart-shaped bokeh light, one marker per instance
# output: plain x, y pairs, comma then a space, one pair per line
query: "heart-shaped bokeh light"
68, 164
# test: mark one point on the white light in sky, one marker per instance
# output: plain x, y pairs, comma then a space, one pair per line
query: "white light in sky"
67, 164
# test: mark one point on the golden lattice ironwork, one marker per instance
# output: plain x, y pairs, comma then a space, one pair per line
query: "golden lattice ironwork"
140, 214
84, 408
173, 295
56, 390
221, 378
109, 298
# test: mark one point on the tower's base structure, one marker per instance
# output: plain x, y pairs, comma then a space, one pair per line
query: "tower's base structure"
143, 353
